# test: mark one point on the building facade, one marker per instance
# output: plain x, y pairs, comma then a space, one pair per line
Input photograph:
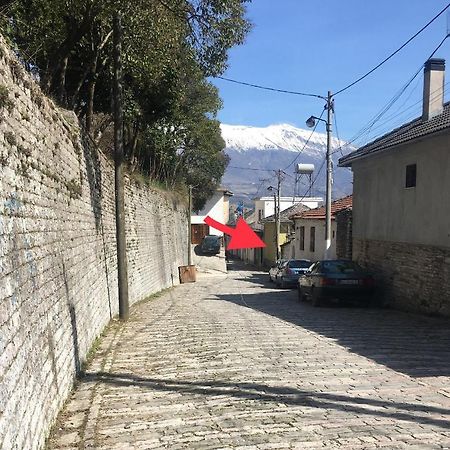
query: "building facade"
265, 206
218, 208
310, 231
401, 218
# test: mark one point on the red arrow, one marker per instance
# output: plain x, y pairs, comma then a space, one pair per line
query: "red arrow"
241, 237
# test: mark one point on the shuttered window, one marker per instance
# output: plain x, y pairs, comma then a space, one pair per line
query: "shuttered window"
312, 239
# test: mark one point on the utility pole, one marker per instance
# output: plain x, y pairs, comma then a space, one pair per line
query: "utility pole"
190, 228
329, 177
118, 166
311, 122
277, 208
278, 217
276, 222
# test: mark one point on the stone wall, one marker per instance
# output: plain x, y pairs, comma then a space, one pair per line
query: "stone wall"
58, 278
412, 277
344, 234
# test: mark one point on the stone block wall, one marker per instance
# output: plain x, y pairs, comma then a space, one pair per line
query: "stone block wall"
58, 278
344, 234
411, 277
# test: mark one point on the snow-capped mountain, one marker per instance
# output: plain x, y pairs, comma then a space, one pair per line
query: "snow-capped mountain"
256, 152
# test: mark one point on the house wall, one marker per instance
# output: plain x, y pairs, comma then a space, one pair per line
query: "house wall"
266, 204
386, 210
270, 251
319, 251
58, 259
403, 234
215, 208
288, 250
226, 209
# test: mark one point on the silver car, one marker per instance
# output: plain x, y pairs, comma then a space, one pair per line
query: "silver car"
290, 271
274, 270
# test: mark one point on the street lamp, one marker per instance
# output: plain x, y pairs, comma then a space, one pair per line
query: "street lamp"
311, 122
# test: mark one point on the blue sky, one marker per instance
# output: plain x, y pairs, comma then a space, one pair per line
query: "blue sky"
316, 46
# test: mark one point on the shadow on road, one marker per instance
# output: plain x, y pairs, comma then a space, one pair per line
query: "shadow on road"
416, 345
419, 413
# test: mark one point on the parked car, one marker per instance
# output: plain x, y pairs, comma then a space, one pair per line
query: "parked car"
339, 279
274, 269
210, 245
290, 271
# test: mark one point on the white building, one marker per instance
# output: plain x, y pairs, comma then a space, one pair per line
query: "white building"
218, 208
309, 240
265, 206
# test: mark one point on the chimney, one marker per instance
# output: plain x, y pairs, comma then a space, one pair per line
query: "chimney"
433, 88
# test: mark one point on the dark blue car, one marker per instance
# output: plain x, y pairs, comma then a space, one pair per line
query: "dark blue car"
336, 279
210, 245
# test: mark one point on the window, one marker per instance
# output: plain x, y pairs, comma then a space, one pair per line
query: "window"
260, 214
302, 238
341, 267
411, 173
312, 239
299, 264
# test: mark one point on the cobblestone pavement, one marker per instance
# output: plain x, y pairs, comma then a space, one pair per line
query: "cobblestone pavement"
235, 363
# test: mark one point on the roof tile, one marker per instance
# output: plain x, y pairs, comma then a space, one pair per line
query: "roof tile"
411, 130
320, 213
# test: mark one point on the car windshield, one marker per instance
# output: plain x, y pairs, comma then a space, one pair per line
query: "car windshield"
341, 267
210, 240
299, 264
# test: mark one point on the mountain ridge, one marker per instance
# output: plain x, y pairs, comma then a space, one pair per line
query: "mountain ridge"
255, 152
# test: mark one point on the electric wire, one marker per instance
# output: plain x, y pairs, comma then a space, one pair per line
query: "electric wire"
267, 88
249, 168
365, 131
307, 141
393, 53
411, 115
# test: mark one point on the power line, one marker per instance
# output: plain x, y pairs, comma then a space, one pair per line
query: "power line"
307, 141
249, 168
267, 88
394, 53
369, 126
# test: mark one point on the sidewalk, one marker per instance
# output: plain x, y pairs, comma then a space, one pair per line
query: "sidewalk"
231, 362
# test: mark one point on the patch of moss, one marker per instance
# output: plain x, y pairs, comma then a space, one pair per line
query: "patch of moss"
5, 101
74, 188
10, 138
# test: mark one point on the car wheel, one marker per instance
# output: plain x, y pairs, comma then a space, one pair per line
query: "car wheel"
315, 298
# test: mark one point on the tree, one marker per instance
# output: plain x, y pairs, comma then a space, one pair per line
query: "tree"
170, 47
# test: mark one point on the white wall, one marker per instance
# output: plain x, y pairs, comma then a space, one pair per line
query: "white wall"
319, 250
266, 204
214, 208
383, 209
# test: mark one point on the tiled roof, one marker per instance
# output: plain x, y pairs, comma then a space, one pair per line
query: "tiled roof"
287, 213
320, 213
410, 131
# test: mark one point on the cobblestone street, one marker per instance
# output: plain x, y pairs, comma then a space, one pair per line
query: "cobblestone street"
232, 362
